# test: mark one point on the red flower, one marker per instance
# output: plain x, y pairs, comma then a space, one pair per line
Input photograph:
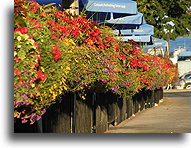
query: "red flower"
76, 33
51, 22
117, 46
39, 58
24, 30
17, 30
122, 57
56, 57
40, 75
126, 72
136, 51
17, 59
38, 26
36, 45
37, 64
56, 53
17, 72
86, 40
146, 67
34, 7
142, 58
39, 51
21, 30
156, 58
110, 39
94, 33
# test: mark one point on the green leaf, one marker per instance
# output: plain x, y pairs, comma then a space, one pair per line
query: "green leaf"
48, 5
20, 20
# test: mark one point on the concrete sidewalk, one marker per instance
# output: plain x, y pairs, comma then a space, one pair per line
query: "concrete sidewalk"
173, 115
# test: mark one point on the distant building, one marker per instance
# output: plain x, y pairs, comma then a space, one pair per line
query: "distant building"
185, 56
184, 62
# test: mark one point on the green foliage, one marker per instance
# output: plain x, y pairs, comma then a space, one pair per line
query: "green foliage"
160, 12
56, 53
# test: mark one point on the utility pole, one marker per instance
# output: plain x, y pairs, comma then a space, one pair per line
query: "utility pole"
168, 44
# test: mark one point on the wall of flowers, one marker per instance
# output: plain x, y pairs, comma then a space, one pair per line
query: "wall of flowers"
56, 52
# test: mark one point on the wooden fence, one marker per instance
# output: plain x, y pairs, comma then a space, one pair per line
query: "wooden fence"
93, 115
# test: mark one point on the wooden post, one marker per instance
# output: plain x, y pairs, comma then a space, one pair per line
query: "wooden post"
129, 107
111, 107
83, 114
57, 119
101, 113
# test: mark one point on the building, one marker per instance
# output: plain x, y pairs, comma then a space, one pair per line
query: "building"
184, 62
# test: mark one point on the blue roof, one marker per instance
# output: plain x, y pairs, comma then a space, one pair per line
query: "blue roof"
185, 54
120, 6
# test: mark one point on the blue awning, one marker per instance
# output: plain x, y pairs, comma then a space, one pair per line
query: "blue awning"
144, 29
120, 6
135, 38
132, 19
157, 43
155, 46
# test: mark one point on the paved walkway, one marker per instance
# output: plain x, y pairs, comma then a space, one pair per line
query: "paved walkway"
173, 115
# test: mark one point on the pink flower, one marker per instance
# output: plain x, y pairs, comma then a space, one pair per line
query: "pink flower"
105, 70
24, 121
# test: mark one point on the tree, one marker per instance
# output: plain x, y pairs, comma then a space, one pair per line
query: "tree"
170, 18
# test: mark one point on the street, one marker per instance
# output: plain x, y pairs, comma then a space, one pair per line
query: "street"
172, 115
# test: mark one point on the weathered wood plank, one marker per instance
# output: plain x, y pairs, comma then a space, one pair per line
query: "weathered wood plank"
83, 115
129, 108
57, 119
111, 107
101, 114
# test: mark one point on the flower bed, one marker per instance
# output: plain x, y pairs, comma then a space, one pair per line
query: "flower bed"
56, 52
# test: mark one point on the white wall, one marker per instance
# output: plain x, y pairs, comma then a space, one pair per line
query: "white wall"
184, 67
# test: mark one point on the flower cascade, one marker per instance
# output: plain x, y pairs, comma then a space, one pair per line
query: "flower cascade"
56, 52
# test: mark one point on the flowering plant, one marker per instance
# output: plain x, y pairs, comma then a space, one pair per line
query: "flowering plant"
56, 52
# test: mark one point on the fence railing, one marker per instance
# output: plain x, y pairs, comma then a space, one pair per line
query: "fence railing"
93, 115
